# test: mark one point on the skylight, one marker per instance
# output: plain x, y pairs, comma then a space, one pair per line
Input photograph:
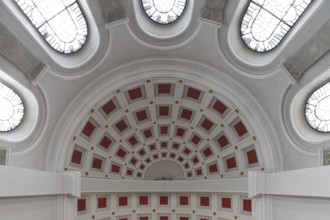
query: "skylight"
266, 22
11, 108
317, 110
60, 22
164, 11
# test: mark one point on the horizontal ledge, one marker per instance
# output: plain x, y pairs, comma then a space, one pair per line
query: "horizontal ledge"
310, 182
17, 182
93, 185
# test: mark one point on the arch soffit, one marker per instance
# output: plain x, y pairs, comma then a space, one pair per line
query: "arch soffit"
183, 69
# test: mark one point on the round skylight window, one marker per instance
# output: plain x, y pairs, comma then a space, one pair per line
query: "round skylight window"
11, 108
317, 110
164, 11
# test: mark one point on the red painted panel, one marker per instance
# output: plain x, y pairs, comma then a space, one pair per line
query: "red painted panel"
163, 218
186, 151
207, 124
184, 200
163, 200
88, 129
123, 201
97, 163
121, 125
135, 93
148, 160
213, 168
152, 147
207, 152
231, 162
143, 200
133, 140
164, 88
163, 144
223, 141
144, 218
101, 202
142, 152
172, 155
226, 203
115, 168
193, 93
109, 107
164, 110
175, 146
186, 114
219, 107
155, 156
252, 156
240, 128
123, 219
105, 142
133, 161
147, 133
195, 139
141, 115
184, 218
180, 159
199, 172
76, 157
129, 172
204, 201
163, 129
139, 174
81, 205
142, 166
247, 205
180, 132
195, 160
121, 153
164, 154
189, 174
186, 166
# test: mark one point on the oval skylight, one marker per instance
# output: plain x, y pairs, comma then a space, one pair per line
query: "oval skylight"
164, 11
266, 22
60, 22
11, 108
317, 110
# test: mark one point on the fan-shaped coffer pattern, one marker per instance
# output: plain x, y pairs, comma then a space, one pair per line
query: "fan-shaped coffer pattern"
164, 119
164, 206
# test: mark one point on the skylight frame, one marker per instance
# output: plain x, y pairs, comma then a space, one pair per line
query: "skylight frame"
11, 99
247, 22
69, 45
150, 15
313, 118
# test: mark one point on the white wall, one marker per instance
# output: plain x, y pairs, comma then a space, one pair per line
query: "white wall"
28, 208
300, 208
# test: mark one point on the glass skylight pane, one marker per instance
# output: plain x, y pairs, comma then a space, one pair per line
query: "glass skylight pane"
11, 108
266, 22
317, 109
164, 11
60, 22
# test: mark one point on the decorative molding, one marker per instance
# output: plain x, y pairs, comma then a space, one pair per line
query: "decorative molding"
235, 185
212, 16
285, 183
4, 157
290, 68
325, 157
37, 72
72, 183
115, 17
37, 183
